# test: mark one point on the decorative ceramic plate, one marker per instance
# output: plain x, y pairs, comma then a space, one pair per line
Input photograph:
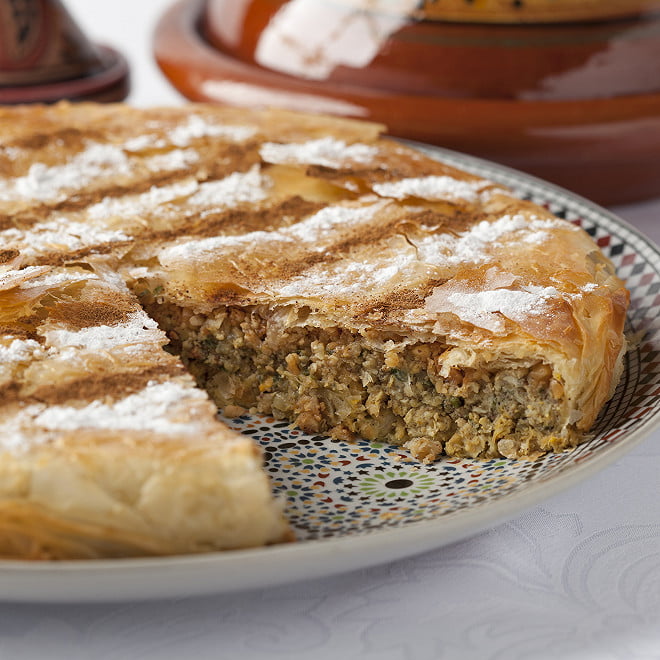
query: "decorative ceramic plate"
360, 504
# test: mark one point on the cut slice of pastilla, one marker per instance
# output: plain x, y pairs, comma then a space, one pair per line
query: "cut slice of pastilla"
106, 446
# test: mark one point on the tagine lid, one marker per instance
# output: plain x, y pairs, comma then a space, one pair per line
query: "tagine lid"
45, 57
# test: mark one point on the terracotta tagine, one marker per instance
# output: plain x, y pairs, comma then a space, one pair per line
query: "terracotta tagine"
568, 90
45, 57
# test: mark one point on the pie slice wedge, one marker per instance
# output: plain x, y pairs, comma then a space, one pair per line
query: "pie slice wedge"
108, 447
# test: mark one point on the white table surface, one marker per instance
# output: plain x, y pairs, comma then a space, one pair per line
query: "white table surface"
577, 578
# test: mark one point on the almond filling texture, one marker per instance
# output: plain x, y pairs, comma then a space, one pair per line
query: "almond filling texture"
376, 385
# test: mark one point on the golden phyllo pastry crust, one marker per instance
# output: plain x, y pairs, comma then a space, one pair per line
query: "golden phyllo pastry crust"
301, 266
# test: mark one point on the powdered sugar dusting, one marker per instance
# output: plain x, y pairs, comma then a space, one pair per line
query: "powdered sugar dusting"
45, 183
19, 350
434, 188
488, 232
327, 151
485, 308
204, 247
14, 278
197, 127
59, 234
348, 279
176, 159
251, 186
476, 244
12, 153
479, 308
131, 205
142, 142
153, 409
138, 329
536, 238
58, 279
14, 438
311, 230
182, 135
326, 222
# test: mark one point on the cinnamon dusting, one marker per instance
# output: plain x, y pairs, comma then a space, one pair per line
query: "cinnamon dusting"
84, 314
67, 138
110, 387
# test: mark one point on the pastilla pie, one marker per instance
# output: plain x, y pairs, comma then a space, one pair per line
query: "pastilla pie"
300, 266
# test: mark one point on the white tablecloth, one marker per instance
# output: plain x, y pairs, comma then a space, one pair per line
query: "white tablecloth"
577, 578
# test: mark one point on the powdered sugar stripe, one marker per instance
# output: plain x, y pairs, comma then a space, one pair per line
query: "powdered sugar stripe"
14, 278
176, 159
131, 205
59, 234
45, 183
194, 128
51, 183
55, 280
197, 127
311, 230
251, 186
138, 329
328, 221
156, 408
19, 350
327, 151
209, 247
481, 308
435, 188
